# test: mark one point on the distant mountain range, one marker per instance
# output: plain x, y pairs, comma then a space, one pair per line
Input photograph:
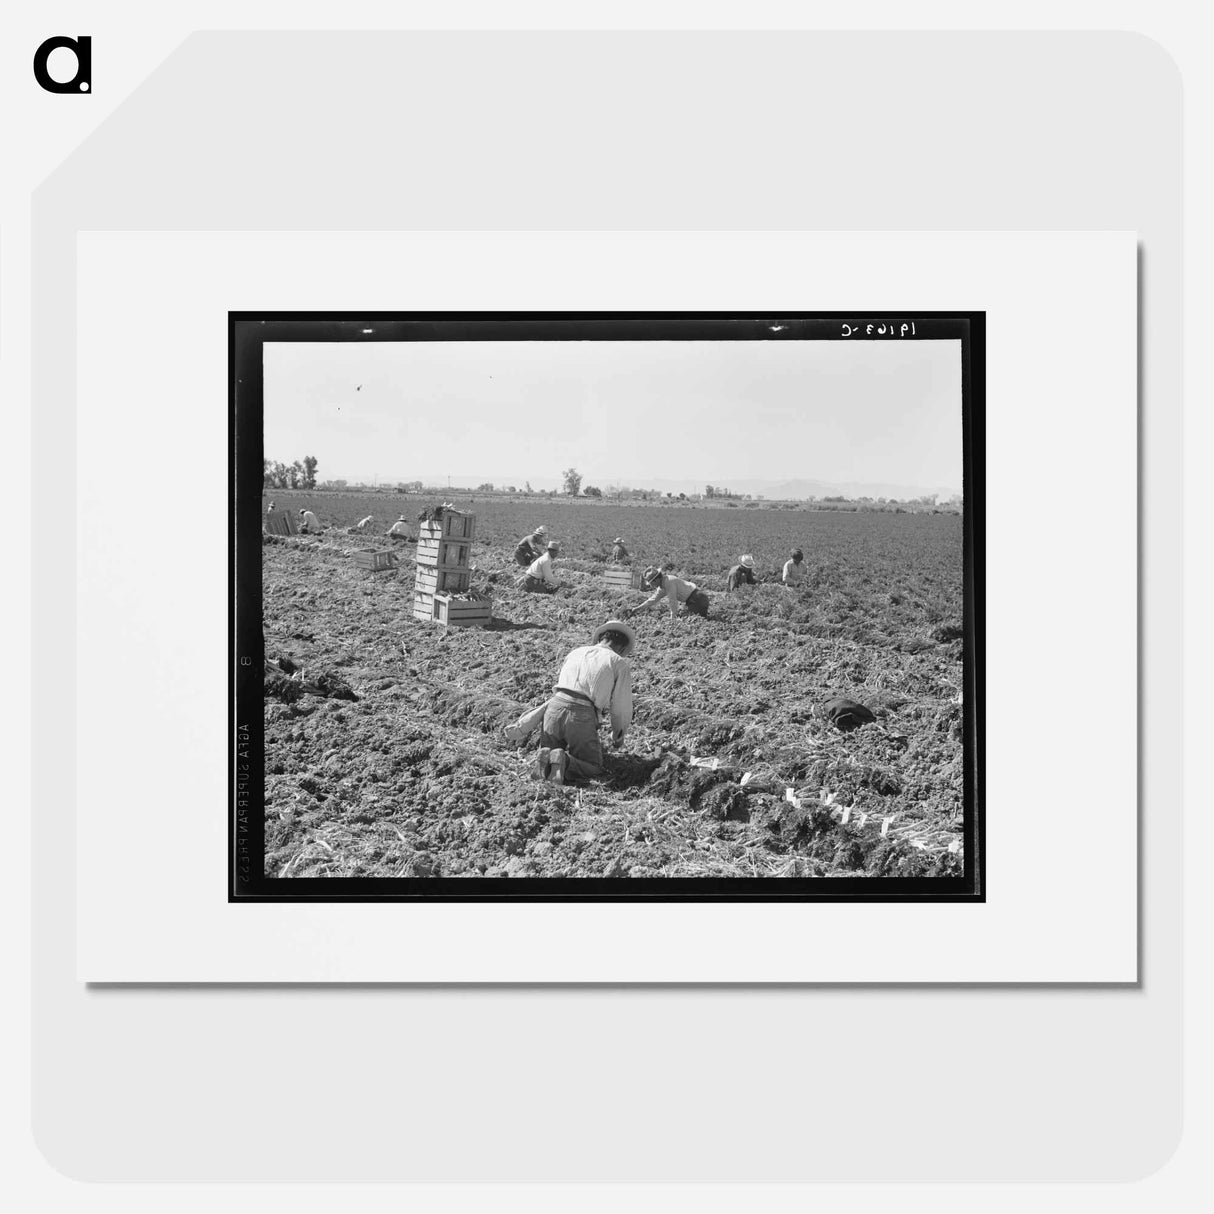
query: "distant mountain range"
788, 489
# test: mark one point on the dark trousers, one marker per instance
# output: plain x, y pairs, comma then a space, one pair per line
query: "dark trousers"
572, 725
697, 602
537, 585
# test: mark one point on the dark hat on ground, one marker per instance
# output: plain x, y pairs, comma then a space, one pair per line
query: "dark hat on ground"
620, 627
846, 714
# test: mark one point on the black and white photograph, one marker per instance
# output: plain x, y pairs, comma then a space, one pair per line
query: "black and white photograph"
607, 606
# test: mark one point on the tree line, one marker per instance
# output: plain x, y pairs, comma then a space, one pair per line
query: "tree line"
297, 475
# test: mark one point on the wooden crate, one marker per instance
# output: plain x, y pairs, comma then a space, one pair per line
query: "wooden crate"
376, 562
454, 525
445, 581
280, 522
462, 613
619, 578
450, 554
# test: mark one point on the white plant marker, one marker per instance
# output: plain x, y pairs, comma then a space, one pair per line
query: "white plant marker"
885, 825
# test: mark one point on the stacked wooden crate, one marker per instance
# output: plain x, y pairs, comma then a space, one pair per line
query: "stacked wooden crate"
279, 522
444, 549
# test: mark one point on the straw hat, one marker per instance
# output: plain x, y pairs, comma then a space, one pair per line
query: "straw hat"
748, 560
651, 575
617, 626
553, 546
541, 530
617, 540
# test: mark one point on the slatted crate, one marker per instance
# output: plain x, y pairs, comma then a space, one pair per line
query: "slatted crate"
375, 562
454, 525
442, 581
451, 554
462, 613
423, 606
619, 578
280, 522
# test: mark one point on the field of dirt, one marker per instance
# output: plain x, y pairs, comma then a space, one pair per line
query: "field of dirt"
385, 755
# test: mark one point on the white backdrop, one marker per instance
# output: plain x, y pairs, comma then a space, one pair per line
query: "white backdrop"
1070, 131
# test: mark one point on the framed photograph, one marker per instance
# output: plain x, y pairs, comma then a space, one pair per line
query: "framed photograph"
607, 606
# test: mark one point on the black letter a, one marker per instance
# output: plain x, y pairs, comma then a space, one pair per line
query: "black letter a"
82, 48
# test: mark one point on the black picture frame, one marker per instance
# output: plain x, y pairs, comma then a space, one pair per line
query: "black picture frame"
248, 332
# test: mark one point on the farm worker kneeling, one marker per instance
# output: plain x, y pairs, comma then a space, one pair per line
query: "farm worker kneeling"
595, 678
794, 569
743, 573
530, 547
675, 590
400, 529
619, 553
362, 522
540, 579
310, 522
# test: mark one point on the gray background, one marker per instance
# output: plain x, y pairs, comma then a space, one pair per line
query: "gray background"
566, 131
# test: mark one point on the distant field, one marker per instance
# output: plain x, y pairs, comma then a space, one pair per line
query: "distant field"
415, 778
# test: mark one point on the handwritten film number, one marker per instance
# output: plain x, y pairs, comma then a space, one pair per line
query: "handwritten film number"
889, 329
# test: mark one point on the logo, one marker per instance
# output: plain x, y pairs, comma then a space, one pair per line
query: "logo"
82, 81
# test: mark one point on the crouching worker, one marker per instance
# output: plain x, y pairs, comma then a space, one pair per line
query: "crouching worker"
596, 678
539, 577
743, 573
675, 591
531, 547
400, 530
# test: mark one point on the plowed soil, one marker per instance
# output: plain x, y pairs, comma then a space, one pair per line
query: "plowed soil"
385, 754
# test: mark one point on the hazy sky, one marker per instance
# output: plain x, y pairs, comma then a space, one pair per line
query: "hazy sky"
620, 412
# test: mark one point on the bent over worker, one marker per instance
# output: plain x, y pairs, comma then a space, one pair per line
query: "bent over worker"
531, 547
674, 589
540, 579
310, 524
594, 679
743, 573
400, 530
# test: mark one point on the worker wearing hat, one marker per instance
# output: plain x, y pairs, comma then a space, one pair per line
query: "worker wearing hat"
400, 529
594, 679
540, 578
531, 546
743, 573
619, 553
310, 522
675, 590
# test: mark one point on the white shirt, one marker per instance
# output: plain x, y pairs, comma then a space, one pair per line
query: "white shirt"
363, 522
603, 675
676, 591
400, 527
311, 519
793, 573
541, 568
